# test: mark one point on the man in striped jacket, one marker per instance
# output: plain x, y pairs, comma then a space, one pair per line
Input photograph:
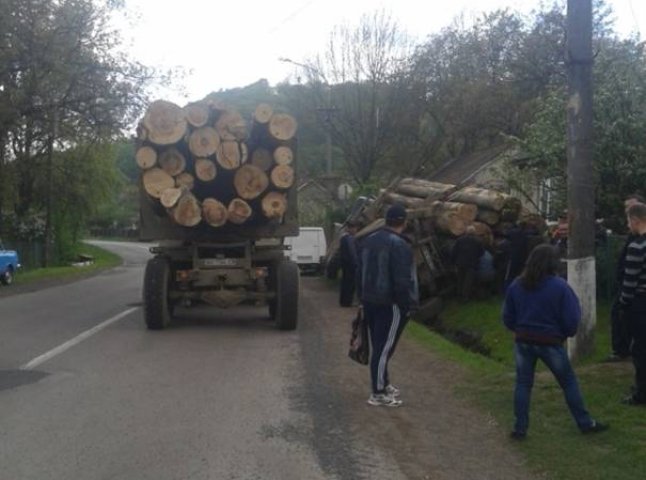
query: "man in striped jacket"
633, 298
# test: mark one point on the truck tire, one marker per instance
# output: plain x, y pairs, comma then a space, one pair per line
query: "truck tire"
286, 295
157, 310
7, 277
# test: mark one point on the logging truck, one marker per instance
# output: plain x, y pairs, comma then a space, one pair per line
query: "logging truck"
217, 195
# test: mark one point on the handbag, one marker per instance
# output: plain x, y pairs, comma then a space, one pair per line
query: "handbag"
359, 340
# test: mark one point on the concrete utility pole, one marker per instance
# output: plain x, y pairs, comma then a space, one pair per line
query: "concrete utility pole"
580, 179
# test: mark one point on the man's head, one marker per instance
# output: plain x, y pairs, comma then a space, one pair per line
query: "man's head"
396, 217
632, 200
637, 218
352, 227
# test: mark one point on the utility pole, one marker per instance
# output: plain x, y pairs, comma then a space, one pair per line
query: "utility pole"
580, 179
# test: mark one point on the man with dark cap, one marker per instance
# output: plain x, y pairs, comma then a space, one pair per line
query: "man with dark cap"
348, 258
388, 291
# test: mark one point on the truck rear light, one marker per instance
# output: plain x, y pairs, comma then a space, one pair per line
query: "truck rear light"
183, 275
260, 272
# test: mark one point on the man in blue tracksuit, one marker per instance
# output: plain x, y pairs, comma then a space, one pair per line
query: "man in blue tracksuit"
387, 287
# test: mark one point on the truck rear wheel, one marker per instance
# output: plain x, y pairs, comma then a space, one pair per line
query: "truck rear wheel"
157, 310
286, 303
7, 277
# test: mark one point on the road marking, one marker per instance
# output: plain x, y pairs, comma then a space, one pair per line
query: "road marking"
75, 341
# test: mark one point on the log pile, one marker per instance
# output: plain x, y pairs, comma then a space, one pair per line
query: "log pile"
205, 164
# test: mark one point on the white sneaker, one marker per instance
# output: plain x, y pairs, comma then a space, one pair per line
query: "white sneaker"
392, 390
385, 400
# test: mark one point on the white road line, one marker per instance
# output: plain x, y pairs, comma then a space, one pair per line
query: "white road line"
75, 341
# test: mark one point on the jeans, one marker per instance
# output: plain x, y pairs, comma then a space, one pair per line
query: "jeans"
556, 359
635, 316
619, 333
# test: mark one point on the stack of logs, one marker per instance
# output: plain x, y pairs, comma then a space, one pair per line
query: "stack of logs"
203, 164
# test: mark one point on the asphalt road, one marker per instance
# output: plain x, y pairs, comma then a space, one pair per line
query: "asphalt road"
86, 392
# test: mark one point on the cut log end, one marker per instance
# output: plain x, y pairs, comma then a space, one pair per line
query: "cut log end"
215, 213
282, 176
187, 212
170, 196
231, 126
172, 161
250, 181
263, 113
205, 169
282, 126
229, 155
156, 180
204, 142
283, 155
146, 157
274, 205
197, 114
239, 211
165, 123
262, 159
185, 180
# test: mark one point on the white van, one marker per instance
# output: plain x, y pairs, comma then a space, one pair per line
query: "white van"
308, 249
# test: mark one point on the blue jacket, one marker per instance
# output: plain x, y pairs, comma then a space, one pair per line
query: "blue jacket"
387, 273
547, 315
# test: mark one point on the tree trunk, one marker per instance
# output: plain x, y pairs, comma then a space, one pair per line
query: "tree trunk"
417, 187
185, 180
205, 169
215, 213
408, 202
481, 197
282, 176
283, 155
489, 217
170, 196
146, 157
231, 126
187, 212
165, 123
250, 182
197, 114
229, 154
262, 158
156, 180
172, 161
274, 205
204, 142
239, 211
282, 126
263, 113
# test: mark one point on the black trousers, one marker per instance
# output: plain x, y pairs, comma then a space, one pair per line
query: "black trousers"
620, 336
346, 293
466, 282
636, 317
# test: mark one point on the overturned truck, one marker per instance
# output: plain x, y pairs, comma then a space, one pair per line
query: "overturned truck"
217, 193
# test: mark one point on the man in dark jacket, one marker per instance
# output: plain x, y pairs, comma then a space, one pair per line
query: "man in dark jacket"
619, 333
388, 291
348, 257
465, 255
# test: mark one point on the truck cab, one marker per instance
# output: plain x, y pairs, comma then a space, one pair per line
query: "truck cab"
9, 264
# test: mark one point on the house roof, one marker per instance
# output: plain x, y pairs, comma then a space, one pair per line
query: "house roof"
461, 170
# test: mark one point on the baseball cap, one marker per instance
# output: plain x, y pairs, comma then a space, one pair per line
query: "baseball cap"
396, 212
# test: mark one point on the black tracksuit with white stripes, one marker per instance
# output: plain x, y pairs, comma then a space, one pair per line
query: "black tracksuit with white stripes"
633, 302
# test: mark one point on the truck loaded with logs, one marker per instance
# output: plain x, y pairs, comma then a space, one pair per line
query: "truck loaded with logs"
218, 195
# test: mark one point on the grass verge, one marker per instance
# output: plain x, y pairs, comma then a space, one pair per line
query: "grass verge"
102, 259
554, 445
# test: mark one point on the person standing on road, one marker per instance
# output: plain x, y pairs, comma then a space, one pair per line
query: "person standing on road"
632, 299
388, 291
620, 337
348, 254
542, 311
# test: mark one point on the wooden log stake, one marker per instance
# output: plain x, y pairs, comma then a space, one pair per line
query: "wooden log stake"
481, 197
170, 196
205, 169
204, 142
283, 155
156, 180
187, 212
263, 113
172, 161
146, 157
250, 182
282, 176
274, 205
282, 126
239, 211
229, 155
262, 158
165, 123
197, 114
215, 213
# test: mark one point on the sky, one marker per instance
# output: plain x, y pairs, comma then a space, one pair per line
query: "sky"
233, 43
